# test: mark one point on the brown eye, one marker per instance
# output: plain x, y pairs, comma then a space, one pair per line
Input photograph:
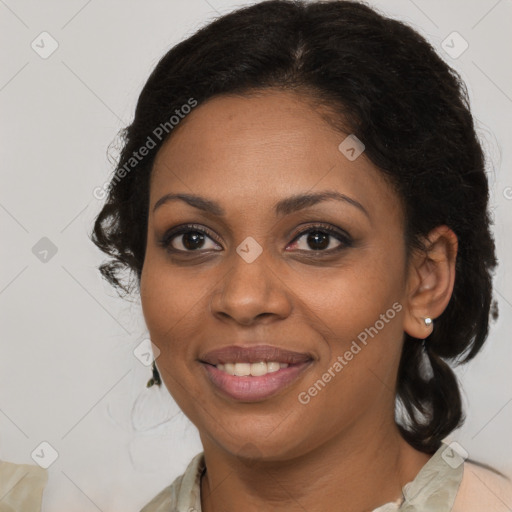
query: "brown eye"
192, 240
318, 240
321, 239
187, 239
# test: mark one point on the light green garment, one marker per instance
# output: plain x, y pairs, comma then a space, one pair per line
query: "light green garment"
433, 490
21, 487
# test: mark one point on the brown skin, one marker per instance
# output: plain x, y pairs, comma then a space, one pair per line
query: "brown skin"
343, 447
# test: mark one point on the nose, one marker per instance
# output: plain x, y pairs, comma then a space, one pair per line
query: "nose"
251, 292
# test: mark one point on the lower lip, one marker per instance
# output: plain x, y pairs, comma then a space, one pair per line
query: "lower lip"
254, 389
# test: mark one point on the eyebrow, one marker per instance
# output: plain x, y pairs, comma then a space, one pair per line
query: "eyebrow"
283, 207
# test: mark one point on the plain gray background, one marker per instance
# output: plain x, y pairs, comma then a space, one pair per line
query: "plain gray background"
68, 373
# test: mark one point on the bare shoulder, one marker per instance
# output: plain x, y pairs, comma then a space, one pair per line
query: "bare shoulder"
482, 488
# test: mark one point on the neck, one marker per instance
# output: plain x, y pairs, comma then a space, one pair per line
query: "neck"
359, 472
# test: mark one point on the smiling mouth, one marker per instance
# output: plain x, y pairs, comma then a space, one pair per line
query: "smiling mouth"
251, 369
244, 386
253, 373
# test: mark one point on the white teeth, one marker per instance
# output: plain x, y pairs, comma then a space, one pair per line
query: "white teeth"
228, 368
258, 369
242, 369
273, 366
254, 369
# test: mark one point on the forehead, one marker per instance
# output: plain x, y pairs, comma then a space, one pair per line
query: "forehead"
262, 147
272, 125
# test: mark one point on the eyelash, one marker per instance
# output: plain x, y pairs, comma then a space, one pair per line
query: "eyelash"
168, 237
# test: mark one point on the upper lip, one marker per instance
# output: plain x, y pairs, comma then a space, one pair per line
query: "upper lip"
254, 354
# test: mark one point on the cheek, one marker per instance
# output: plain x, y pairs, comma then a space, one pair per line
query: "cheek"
168, 296
346, 300
358, 311
169, 305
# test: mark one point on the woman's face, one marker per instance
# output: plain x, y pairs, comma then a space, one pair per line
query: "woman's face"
325, 279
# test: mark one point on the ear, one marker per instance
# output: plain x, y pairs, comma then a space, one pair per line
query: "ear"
431, 276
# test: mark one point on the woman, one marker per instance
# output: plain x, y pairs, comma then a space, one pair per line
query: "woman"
302, 201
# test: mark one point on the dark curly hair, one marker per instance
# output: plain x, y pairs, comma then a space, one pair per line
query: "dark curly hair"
383, 82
